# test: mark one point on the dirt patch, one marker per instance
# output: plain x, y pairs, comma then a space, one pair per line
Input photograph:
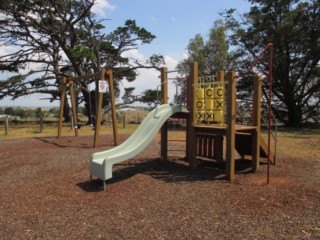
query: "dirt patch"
45, 194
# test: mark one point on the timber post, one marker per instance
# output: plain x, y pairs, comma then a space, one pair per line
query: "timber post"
113, 108
164, 128
231, 121
74, 110
98, 109
218, 142
191, 133
62, 100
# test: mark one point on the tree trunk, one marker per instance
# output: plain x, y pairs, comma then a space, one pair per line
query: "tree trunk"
66, 111
294, 115
89, 99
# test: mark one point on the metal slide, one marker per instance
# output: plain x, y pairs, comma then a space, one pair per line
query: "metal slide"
101, 162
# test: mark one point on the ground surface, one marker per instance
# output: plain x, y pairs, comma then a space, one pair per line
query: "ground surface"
45, 194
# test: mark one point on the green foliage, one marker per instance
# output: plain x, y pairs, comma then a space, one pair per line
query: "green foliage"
211, 54
151, 97
216, 49
80, 53
128, 95
4, 4
21, 113
9, 111
39, 112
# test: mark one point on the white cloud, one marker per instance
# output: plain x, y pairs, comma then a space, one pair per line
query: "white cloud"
134, 54
171, 63
101, 6
4, 50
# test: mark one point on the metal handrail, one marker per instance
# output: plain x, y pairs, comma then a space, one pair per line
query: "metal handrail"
274, 133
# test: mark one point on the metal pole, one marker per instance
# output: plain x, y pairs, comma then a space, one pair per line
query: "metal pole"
270, 108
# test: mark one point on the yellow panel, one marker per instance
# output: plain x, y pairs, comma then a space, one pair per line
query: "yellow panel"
200, 93
218, 92
209, 93
200, 105
218, 116
209, 104
209, 116
218, 104
200, 116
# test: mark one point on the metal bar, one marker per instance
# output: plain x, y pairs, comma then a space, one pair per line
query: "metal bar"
270, 45
255, 61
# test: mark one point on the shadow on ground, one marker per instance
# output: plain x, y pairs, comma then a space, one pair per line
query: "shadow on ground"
173, 171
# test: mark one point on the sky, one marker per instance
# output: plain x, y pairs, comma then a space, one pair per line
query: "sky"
173, 22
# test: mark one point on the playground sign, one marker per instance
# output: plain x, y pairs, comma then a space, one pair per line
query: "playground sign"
102, 86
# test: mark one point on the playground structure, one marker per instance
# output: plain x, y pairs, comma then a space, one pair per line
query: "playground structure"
211, 118
100, 82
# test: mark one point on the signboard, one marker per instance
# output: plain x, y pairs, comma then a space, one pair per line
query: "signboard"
102, 86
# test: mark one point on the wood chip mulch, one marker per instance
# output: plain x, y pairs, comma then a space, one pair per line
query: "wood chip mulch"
45, 193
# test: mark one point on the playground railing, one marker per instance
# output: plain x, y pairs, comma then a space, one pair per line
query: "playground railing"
273, 134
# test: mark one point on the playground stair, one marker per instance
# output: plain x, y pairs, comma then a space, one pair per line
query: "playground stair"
244, 146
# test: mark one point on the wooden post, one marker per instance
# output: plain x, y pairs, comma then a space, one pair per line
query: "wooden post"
6, 125
98, 109
231, 121
124, 120
220, 78
256, 122
72, 123
218, 142
62, 99
74, 110
41, 123
113, 108
191, 133
164, 128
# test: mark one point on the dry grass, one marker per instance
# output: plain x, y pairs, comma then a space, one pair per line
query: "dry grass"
28, 129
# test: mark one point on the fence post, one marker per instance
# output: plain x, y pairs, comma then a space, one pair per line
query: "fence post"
72, 123
41, 123
124, 120
6, 125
